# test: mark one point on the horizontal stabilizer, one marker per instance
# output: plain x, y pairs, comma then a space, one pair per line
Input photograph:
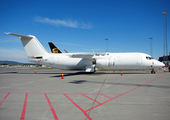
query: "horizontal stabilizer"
23, 36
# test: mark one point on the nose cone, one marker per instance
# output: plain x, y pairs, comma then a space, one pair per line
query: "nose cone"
157, 64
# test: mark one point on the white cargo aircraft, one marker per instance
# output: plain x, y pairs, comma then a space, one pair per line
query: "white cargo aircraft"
90, 62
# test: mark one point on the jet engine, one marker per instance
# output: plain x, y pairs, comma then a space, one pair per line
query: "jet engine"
104, 62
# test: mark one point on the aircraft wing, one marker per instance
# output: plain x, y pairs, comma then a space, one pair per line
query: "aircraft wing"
83, 55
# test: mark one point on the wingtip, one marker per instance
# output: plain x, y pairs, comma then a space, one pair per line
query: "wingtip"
7, 33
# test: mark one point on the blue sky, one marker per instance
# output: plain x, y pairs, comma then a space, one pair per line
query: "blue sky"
83, 25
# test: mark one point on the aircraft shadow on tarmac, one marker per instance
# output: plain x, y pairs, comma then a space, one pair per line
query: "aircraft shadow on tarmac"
78, 81
9, 73
66, 73
94, 74
112, 83
74, 74
59, 74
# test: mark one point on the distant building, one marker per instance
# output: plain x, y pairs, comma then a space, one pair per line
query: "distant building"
165, 59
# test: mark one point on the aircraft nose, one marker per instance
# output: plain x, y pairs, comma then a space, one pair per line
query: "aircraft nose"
156, 63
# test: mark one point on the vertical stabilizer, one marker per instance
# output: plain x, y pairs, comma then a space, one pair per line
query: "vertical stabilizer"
32, 46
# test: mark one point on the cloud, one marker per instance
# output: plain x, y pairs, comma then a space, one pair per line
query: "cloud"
65, 23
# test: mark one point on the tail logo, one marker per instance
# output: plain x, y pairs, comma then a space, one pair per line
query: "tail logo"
55, 50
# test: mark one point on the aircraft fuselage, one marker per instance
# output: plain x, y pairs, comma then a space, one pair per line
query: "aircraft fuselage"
107, 61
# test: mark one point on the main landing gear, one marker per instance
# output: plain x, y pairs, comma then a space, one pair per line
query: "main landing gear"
153, 71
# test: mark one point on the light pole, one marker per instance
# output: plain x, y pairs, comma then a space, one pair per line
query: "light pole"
151, 46
165, 45
106, 44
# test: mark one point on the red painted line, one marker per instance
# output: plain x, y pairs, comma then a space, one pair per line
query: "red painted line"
78, 107
106, 96
51, 107
24, 107
123, 93
91, 99
4, 98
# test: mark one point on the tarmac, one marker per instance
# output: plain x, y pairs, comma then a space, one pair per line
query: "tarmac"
104, 95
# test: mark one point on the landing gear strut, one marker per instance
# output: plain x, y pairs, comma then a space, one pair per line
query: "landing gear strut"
153, 71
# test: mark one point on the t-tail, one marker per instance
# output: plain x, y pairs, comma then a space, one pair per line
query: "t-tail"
32, 46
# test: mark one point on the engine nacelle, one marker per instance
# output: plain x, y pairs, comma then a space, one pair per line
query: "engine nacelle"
104, 62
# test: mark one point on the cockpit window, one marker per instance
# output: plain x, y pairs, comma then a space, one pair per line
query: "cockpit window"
149, 58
